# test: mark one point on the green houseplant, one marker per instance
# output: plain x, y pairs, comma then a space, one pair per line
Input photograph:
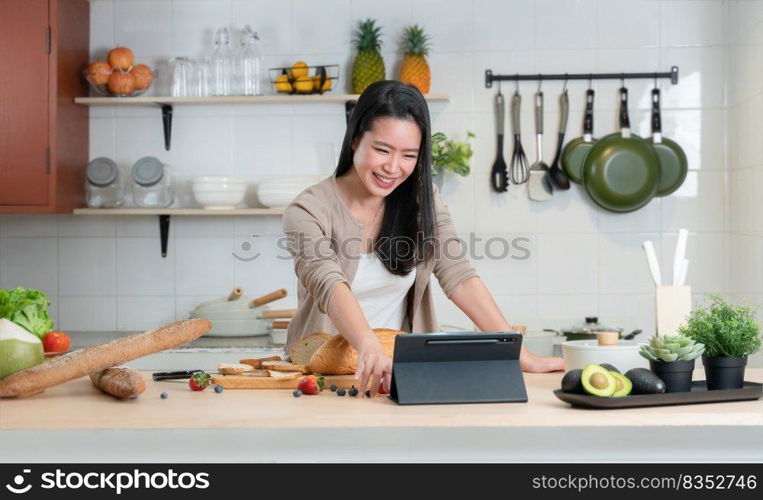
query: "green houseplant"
450, 154
730, 334
671, 357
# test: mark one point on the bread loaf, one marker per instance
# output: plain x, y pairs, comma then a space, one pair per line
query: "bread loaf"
96, 358
338, 357
120, 382
303, 349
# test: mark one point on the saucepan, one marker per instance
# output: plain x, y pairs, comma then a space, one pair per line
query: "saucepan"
587, 331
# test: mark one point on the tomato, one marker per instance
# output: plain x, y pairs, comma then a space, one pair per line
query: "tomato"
56, 342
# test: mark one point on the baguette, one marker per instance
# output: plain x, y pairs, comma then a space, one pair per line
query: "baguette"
233, 368
338, 357
284, 366
120, 382
302, 350
257, 362
96, 358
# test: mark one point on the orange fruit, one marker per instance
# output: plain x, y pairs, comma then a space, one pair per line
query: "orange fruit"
298, 69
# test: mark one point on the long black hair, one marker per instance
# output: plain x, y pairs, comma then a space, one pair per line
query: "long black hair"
408, 221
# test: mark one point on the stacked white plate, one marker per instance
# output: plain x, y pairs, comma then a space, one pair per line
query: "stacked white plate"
218, 193
280, 191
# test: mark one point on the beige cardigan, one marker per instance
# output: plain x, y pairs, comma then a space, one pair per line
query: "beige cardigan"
317, 224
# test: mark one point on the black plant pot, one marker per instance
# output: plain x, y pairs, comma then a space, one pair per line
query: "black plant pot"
724, 372
675, 374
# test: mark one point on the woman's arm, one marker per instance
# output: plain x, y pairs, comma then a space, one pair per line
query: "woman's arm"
474, 299
349, 320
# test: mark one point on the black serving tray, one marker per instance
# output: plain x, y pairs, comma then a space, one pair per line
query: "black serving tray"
698, 394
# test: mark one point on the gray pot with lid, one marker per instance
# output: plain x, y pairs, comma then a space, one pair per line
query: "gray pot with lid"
587, 330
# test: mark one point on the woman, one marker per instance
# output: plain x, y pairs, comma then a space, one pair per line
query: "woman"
367, 239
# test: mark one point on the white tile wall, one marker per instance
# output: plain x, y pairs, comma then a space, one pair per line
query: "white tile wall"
745, 243
106, 273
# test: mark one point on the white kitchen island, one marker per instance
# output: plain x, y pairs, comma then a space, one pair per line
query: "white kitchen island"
74, 422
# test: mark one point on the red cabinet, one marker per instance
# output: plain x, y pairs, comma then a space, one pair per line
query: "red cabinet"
44, 46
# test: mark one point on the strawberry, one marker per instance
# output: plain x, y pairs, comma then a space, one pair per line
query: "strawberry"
199, 381
311, 385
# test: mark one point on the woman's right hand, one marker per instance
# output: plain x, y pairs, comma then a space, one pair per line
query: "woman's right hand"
373, 366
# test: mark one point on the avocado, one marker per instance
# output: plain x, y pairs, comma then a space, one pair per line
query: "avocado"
623, 386
572, 382
645, 382
609, 367
598, 381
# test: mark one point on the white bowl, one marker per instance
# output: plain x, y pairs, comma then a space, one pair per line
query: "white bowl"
207, 179
218, 187
624, 356
219, 200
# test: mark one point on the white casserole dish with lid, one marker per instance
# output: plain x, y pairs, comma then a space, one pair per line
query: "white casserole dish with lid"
624, 356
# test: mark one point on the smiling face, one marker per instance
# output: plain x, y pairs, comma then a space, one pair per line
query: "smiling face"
386, 155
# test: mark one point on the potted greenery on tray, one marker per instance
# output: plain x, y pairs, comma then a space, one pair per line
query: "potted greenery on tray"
730, 334
671, 357
449, 154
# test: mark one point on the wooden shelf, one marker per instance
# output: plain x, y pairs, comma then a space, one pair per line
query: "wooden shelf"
178, 211
265, 99
166, 103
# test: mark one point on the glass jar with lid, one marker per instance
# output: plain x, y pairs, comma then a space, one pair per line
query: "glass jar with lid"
152, 183
104, 185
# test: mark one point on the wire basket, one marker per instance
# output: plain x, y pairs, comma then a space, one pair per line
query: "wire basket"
102, 89
304, 79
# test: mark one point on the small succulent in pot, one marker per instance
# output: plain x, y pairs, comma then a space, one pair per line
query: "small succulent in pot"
671, 357
670, 348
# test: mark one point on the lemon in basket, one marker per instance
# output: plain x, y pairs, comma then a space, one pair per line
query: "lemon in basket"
299, 69
282, 84
304, 85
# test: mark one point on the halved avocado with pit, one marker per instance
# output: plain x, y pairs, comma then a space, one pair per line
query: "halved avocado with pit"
598, 381
623, 386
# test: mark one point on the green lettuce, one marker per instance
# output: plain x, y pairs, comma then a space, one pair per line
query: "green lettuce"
28, 308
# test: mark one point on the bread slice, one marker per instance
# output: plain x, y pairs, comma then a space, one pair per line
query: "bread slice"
285, 375
303, 349
338, 357
257, 362
283, 366
256, 373
233, 368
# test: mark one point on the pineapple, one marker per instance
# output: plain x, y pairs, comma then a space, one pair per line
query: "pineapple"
368, 66
415, 69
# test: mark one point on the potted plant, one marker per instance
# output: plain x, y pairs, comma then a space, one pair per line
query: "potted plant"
671, 357
730, 334
449, 154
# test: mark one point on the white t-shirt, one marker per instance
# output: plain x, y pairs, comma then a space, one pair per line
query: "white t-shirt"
381, 294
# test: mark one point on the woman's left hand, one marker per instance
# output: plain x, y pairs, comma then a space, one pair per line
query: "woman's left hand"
539, 364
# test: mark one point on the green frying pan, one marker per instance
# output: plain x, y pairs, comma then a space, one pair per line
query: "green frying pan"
622, 171
576, 150
673, 164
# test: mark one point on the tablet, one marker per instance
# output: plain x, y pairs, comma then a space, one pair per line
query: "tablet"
459, 367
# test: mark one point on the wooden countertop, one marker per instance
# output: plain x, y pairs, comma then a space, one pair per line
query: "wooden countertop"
77, 405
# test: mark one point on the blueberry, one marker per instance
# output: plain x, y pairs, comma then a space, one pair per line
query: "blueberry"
332, 387
297, 393
218, 389
368, 393
341, 392
353, 392
165, 395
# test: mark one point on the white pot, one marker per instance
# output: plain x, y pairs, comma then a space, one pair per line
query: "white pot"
624, 356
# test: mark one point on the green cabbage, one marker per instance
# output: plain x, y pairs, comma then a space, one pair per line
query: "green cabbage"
28, 308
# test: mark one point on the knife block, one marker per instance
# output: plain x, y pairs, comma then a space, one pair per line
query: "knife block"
672, 307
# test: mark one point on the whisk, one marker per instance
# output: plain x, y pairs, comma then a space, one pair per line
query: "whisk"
519, 164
